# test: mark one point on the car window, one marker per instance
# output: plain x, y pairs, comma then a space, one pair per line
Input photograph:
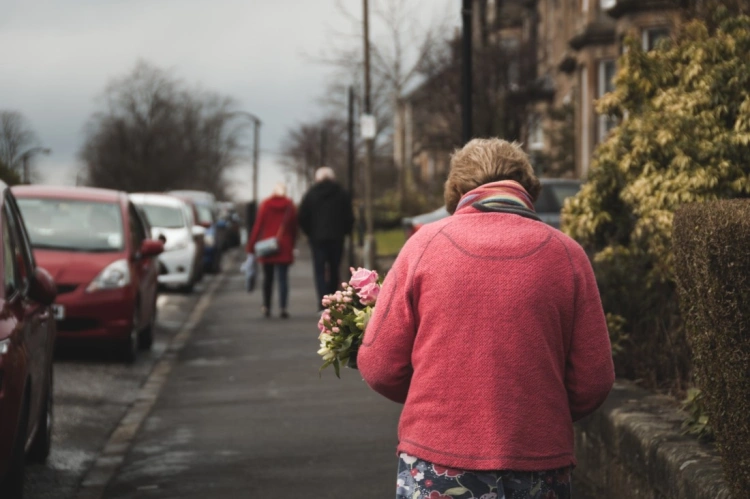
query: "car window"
137, 231
20, 257
24, 240
165, 217
11, 279
73, 225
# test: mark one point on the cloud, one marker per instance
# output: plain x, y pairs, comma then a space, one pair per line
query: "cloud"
58, 56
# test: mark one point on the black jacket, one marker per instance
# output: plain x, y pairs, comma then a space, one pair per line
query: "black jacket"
325, 213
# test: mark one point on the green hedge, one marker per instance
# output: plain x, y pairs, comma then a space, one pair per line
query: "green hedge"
712, 264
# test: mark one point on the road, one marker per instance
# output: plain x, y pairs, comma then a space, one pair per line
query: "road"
93, 390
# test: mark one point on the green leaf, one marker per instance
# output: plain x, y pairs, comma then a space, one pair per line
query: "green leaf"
456, 491
337, 368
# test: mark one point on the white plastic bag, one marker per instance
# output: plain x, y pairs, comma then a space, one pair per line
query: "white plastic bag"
248, 267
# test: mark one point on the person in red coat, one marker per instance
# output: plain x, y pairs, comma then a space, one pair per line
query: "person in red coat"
277, 217
489, 329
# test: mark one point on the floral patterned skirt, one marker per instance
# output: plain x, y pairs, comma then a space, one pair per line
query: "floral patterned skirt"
418, 479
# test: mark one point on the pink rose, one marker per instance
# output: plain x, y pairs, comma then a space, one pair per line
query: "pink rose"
363, 277
368, 295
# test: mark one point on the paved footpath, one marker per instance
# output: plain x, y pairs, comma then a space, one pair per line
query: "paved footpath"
242, 412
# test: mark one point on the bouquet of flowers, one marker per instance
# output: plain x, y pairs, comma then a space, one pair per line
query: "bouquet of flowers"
345, 318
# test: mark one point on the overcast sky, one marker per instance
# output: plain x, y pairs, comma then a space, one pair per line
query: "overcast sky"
56, 56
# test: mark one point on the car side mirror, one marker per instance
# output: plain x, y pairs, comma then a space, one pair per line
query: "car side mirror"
42, 288
198, 231
150, 248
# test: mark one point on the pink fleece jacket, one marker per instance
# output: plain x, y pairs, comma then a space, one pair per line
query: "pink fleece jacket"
490, 329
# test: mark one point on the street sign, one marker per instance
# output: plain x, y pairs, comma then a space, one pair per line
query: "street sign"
368, 126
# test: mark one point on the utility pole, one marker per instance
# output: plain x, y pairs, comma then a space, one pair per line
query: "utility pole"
466, 101
350, 166
369, 249
256, 156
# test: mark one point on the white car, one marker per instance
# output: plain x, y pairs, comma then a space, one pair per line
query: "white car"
172, 222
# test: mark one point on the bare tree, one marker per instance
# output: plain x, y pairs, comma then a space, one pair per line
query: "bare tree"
16, 138
154, 133
398, 47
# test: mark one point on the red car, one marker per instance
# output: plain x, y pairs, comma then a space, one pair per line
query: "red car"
27, 338
100, 253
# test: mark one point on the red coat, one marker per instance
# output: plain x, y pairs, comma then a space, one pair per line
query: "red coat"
489, 328
272, 213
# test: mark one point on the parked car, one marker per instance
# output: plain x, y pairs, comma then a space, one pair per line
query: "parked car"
228, 213
171, 221
97, 247
548, 206
27, 338
206, 208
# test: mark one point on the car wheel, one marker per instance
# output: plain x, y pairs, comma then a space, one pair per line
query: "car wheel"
42, 443
12, 485
130, 344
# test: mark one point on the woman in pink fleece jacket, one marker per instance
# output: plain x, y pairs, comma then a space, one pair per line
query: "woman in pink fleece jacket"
490, 330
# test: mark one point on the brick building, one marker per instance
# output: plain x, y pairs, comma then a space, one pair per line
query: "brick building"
578, 44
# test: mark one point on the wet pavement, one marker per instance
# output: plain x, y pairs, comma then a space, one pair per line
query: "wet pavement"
245, 413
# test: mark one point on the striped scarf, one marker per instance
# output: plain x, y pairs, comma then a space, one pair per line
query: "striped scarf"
496, 196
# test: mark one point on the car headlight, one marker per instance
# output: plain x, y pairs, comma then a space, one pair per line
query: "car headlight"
209, 239
115, 276
4, 346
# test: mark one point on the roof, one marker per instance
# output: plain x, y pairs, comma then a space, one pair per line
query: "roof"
158, 199
69, 192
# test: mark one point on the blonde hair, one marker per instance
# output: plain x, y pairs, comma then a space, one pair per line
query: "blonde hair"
482, 161
279, 189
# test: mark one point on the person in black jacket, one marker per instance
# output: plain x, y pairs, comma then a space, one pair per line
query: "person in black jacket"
326, 217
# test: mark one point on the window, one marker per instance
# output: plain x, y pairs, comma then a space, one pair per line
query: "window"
607, 4
10, 275
536, 133
606, 77
20, 260
137, 232
165, 217
584, 5
652, 37
69, 225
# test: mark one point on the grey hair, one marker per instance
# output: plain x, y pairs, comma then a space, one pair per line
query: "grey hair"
324, 173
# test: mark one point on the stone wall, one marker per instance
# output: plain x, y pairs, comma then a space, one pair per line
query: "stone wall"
633, 448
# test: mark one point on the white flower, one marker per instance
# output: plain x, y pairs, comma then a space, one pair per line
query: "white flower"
407, 458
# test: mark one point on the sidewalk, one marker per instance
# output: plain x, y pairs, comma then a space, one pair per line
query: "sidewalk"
244, 413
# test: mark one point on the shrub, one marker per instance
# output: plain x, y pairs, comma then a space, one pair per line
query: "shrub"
684, 137
712, 264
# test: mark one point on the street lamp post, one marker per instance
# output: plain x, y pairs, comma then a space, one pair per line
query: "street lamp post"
25, 161
256, 149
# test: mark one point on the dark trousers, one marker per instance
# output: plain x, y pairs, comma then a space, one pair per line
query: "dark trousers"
326, 263
282, 273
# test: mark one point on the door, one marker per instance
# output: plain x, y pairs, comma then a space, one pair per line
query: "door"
30, 316
144, 269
